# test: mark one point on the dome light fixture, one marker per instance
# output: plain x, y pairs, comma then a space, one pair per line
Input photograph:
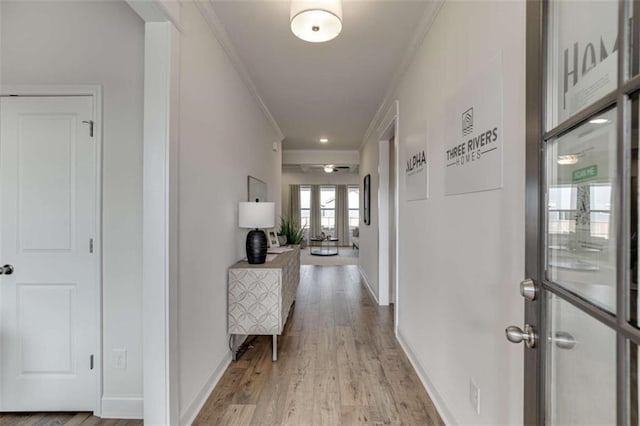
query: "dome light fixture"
568, 159
316, 21
329, 168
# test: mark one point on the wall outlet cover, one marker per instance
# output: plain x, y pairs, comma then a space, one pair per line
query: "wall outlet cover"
119, 359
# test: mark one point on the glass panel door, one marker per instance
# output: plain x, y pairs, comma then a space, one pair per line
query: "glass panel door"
581, 310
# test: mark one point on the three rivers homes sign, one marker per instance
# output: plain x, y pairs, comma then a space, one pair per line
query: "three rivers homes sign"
474, 133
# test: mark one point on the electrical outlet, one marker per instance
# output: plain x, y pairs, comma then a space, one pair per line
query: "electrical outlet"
120, 359
474, 396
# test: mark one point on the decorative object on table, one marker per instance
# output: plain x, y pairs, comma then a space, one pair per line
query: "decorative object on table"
255, 215
272, 237
291, 231
367, 200
256, 189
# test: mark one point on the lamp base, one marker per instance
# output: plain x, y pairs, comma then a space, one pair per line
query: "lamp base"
256, 247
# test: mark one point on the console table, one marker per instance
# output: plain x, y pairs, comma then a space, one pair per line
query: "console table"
260, 296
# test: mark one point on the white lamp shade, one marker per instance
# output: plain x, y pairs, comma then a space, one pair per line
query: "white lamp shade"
256, 215
316, 21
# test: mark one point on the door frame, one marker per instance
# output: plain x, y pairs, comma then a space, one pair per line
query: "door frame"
533, 378
387, 130
95, 92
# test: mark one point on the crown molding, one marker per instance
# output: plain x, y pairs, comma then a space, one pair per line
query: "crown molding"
426, 22
219, 32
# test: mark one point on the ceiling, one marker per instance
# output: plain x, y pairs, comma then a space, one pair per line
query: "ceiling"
330, 89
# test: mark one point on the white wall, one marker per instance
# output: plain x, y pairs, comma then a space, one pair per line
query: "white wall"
368, 256
461, 257
97, 43
313, 178
224, 136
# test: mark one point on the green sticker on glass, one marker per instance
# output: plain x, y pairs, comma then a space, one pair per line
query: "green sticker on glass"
585, 173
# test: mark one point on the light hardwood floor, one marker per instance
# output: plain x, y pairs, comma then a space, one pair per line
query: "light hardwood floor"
338, 363
66, 419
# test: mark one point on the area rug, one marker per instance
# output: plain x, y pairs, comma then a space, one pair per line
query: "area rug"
347, 256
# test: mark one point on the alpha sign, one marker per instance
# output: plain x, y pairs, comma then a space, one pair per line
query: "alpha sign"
473, 148
416, 166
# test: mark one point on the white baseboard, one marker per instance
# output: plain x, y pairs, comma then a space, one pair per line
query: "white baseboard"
127, 407
366, 282
189, 415
436, 398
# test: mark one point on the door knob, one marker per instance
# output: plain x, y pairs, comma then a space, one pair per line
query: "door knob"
6, 270
564, 340
516, 335
528, 289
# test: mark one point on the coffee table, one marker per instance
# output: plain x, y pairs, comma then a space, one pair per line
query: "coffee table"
324, 246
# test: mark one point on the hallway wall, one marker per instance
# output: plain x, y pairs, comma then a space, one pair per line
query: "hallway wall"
462, 256
224, 137
368, 256
76, 43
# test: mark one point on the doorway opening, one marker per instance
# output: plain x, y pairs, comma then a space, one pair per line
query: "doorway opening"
388, 210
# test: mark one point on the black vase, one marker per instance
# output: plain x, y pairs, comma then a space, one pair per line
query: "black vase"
256, 246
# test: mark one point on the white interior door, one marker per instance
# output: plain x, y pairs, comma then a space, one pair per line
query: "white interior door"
48, 317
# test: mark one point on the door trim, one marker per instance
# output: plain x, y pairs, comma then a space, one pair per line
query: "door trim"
95, 91
387, 130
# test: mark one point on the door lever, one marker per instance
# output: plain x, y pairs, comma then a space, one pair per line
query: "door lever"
6, 270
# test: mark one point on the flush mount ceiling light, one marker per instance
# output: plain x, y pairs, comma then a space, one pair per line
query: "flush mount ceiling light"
324, 140
599, 121
329, 168
316, 21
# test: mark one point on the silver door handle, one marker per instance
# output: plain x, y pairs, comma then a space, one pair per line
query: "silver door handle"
516, 335
564, 340
6, 270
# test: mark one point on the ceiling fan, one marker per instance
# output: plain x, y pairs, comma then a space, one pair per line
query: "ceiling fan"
330, 168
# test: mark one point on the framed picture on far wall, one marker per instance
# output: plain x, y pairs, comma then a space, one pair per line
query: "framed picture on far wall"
272, 238
367, 200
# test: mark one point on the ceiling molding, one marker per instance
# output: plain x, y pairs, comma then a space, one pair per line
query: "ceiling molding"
219, 32
428, 18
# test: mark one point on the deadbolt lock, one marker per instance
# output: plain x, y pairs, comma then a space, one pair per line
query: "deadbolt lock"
528, 289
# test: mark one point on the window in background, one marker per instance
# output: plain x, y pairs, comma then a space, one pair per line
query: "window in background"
354, 206
328, 210
305, 208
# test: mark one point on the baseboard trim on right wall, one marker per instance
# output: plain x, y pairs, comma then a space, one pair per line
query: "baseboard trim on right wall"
436, 398
366, 282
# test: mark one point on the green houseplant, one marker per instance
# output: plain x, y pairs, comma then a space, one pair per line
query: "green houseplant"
291, 230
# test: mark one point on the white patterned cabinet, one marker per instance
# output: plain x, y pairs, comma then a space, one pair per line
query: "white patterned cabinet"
260, 296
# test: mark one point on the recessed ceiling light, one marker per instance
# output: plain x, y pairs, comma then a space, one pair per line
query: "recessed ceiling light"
599, 121
324, 140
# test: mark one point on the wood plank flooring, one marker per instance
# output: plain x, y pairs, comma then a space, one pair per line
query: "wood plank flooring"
338, 364
59, 419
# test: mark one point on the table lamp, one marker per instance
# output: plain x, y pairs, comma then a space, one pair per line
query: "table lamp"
256, 215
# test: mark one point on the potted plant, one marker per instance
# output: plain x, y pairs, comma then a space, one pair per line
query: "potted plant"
291, 231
